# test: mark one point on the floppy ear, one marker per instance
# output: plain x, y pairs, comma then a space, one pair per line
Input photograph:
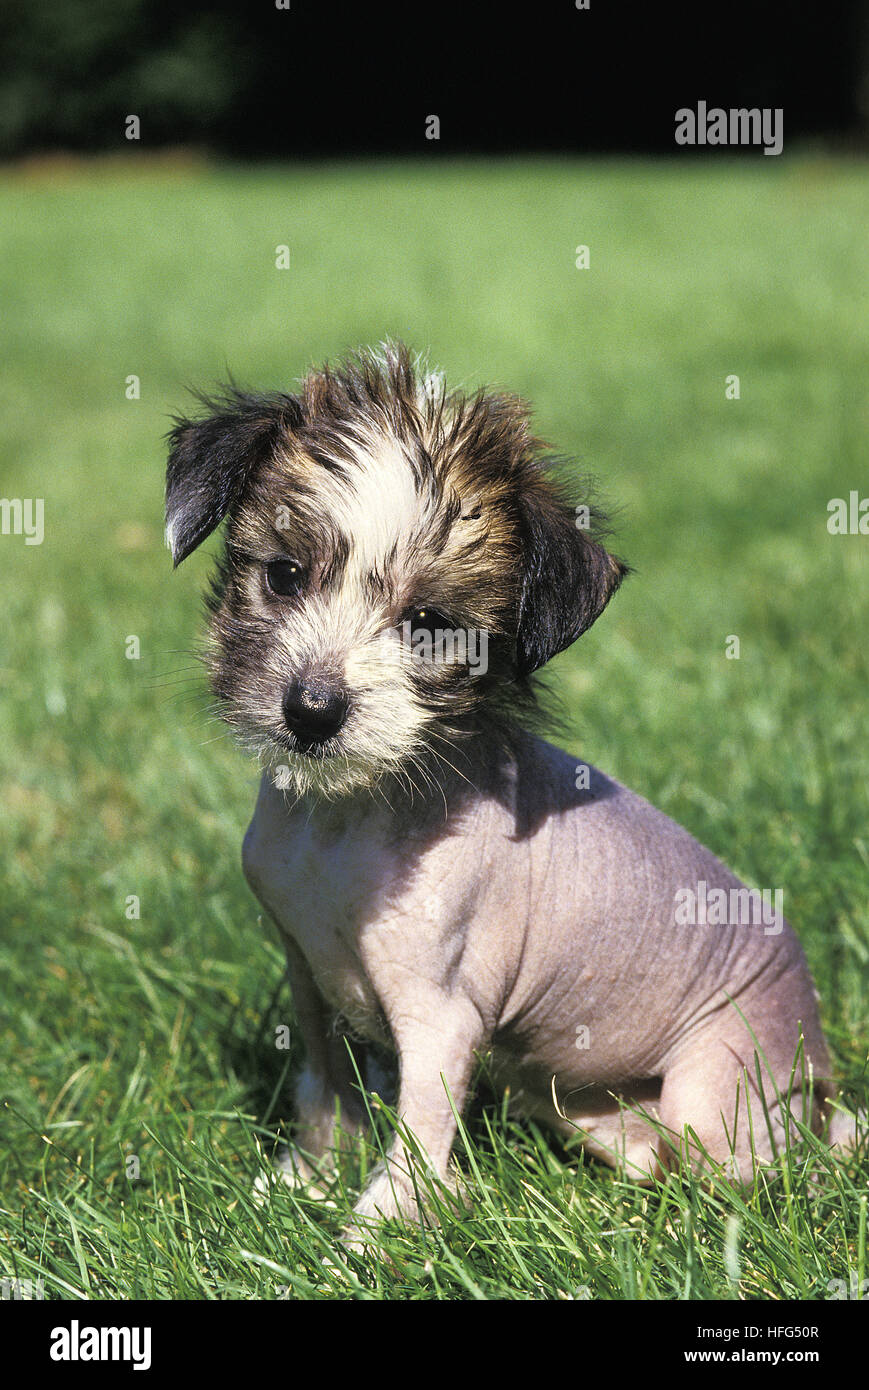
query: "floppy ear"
211, 461
568, 579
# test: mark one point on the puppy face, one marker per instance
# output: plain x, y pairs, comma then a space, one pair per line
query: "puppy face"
397, 564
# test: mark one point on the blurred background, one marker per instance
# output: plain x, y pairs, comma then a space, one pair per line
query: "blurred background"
282, 204
315, 77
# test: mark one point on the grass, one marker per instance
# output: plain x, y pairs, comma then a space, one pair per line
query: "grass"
151, 1037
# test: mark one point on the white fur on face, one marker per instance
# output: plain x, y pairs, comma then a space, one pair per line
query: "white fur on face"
379, 507
344, 633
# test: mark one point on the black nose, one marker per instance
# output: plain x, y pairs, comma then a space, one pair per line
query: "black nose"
314, 712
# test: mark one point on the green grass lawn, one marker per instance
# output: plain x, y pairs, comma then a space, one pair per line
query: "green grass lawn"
148, 1043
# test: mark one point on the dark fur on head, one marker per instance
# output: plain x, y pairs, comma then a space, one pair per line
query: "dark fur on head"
390, 496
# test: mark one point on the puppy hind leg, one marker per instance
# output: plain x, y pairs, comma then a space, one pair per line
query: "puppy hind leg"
841, 1129
731, 1103
621, 1130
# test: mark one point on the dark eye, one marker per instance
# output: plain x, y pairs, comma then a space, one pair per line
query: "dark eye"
285, 577
430, 619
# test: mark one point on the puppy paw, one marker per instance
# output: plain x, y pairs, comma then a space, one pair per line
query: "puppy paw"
297, 1172
388, 1194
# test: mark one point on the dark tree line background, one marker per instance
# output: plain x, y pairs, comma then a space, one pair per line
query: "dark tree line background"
327, 77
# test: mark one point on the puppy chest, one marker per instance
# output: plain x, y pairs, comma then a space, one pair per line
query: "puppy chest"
324, 892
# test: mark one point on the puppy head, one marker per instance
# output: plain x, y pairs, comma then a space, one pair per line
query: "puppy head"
398, 562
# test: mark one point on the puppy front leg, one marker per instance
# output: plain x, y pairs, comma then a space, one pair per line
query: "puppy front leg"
324, 1093
436, 1050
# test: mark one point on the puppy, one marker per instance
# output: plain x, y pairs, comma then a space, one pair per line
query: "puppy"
399, 563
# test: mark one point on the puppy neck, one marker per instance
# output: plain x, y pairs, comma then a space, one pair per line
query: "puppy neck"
440, 786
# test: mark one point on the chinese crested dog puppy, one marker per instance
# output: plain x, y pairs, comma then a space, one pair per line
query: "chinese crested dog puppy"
399, 561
